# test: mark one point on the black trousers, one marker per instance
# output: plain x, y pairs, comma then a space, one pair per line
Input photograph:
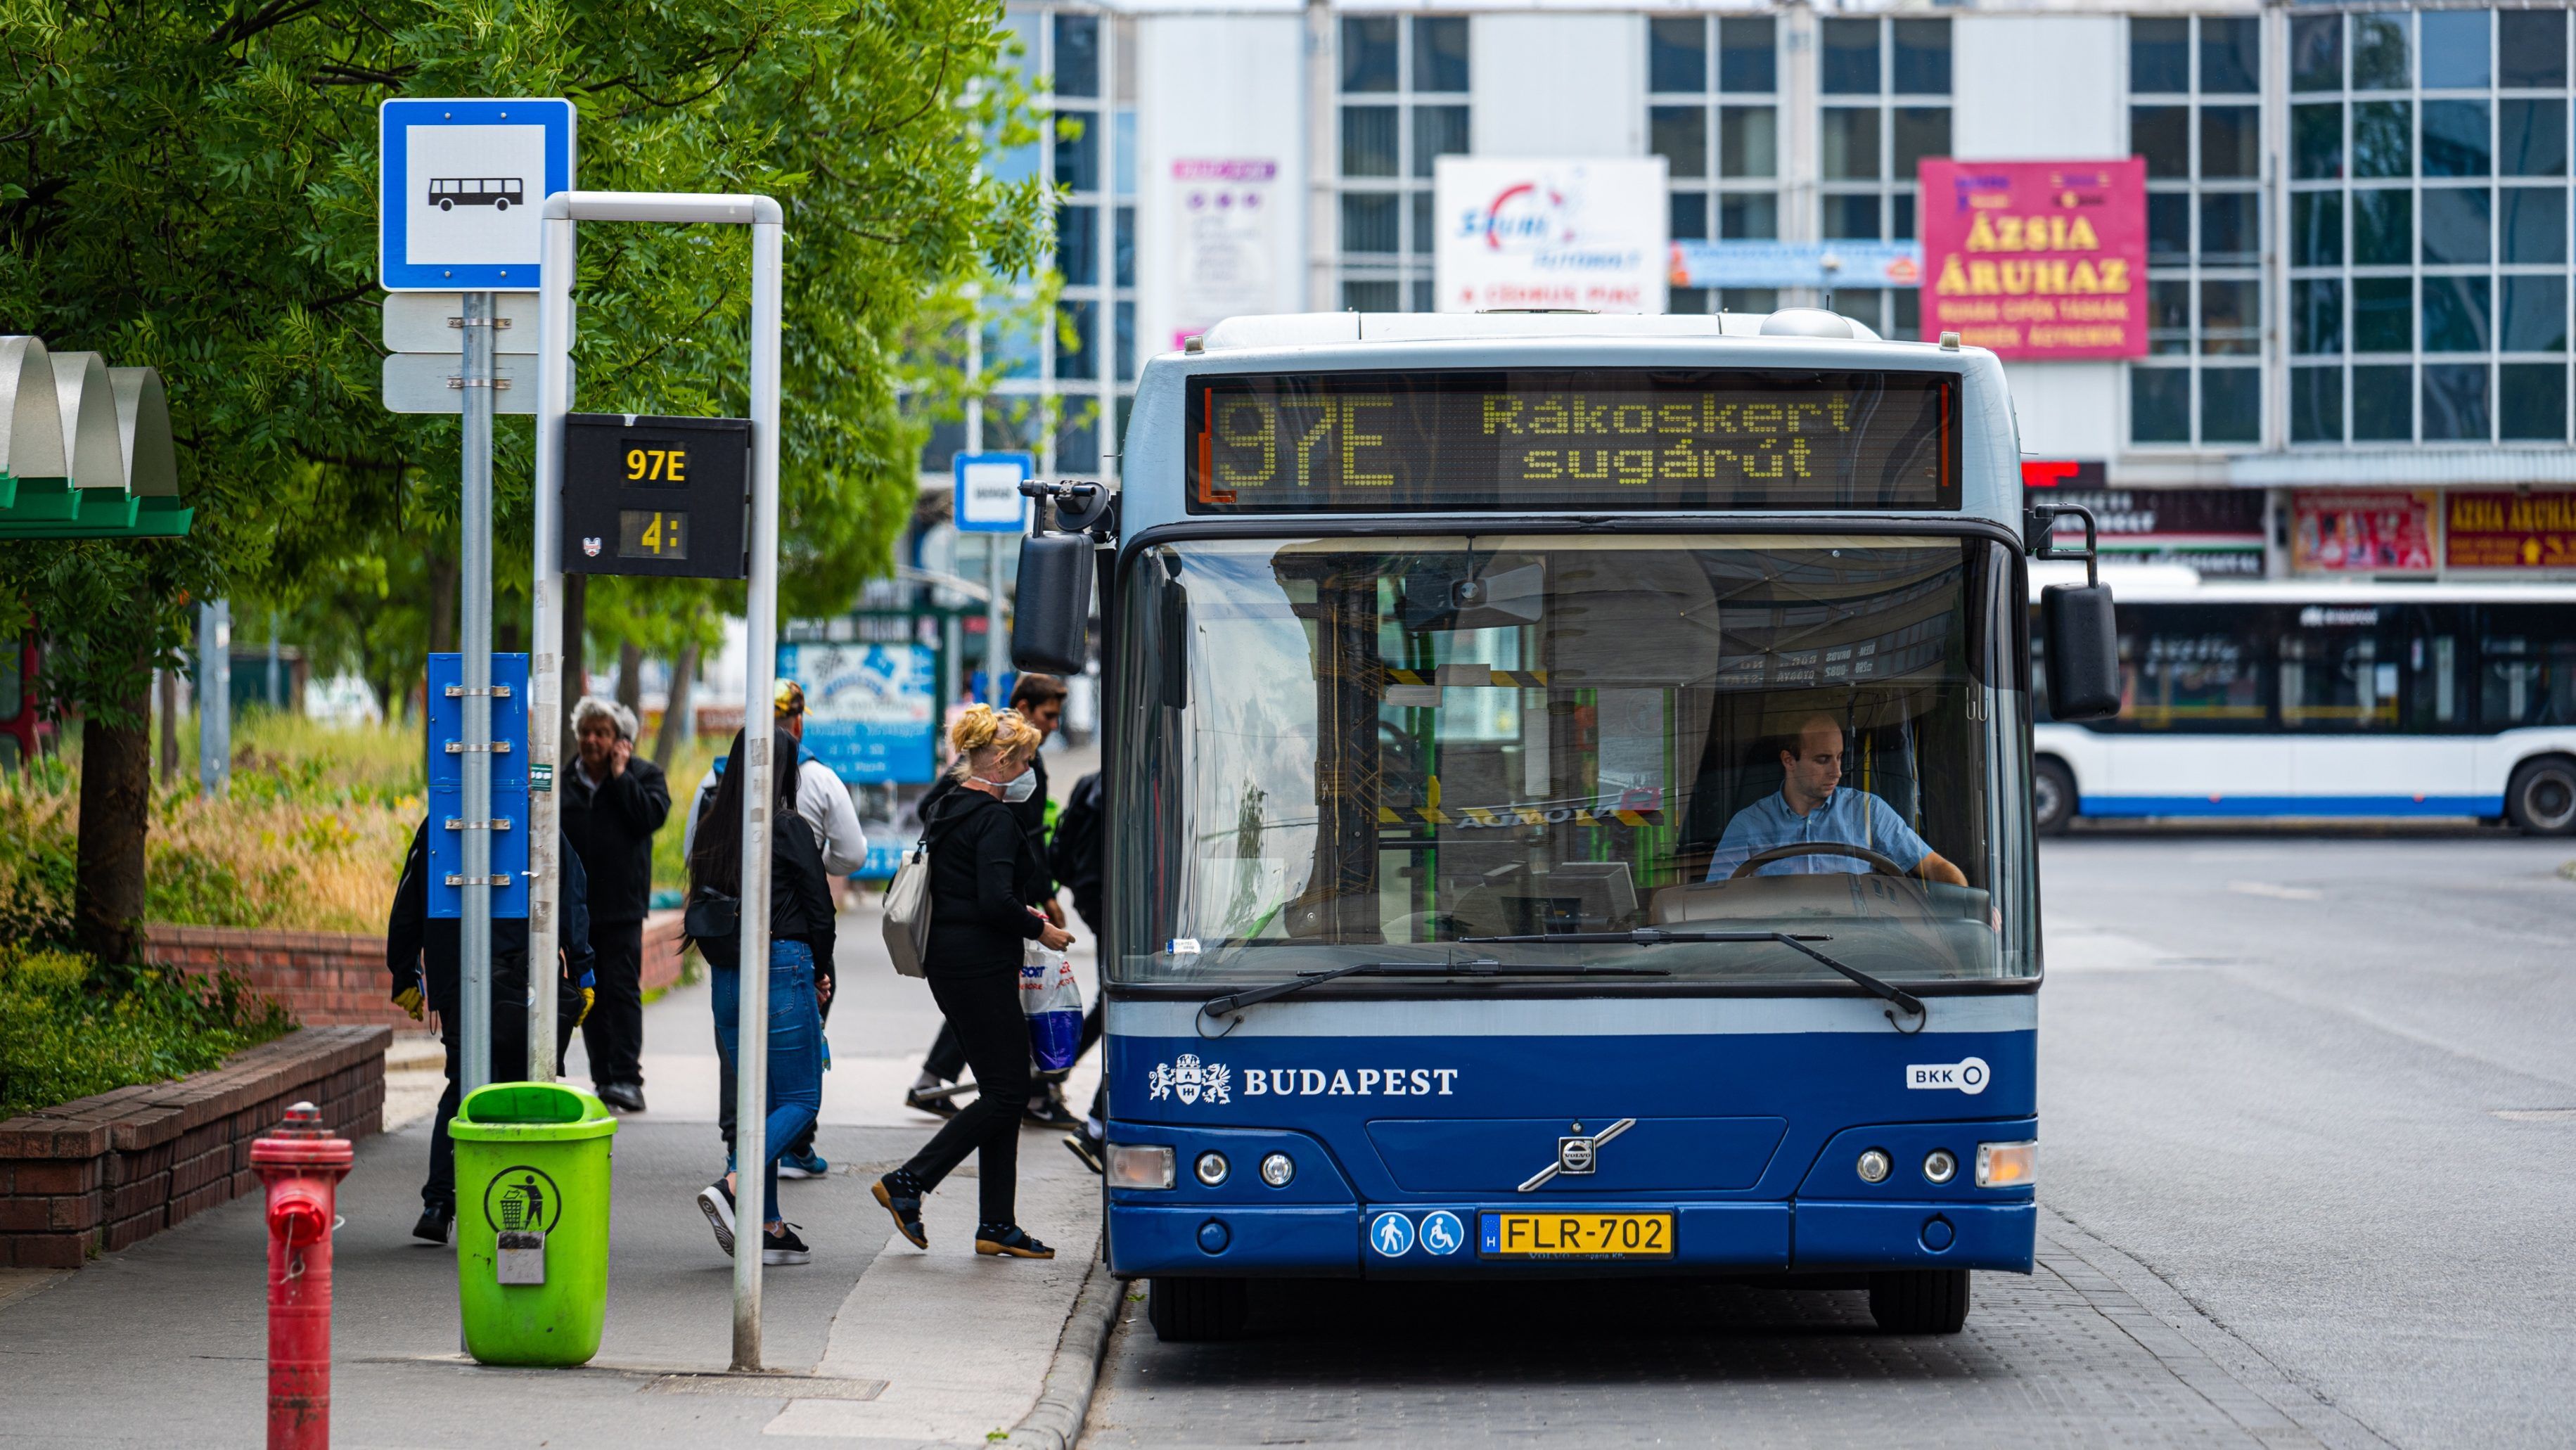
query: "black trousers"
614, 1033
985, 1011
509, 1058
947, 1057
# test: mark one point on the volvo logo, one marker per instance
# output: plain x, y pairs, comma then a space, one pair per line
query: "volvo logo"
1578, 1155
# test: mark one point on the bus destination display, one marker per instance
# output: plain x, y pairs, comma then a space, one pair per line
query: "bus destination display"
1552, 440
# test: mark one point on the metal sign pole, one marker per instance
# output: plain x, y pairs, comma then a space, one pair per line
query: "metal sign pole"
475, 930
751, 1066
751, 1061
545, 658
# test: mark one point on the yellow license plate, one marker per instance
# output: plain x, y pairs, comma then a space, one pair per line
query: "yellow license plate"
1576, 1236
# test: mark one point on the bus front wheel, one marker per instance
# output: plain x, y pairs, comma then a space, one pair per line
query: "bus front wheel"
1197, 1311
2052, 796
2541, 801
1919, 1301
447, 204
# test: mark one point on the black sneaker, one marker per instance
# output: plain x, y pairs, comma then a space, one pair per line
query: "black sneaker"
434, 1222
716, 1202
1082, 1146
781, 1246
1048, 1111
900, 1193
1009, 1241
939, 1107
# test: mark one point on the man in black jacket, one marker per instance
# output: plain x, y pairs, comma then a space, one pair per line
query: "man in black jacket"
613, 802
424, 956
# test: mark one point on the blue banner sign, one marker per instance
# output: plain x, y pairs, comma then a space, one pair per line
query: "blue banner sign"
1797, 264
871, 710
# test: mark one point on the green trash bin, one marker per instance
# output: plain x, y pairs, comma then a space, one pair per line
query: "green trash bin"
532, 1222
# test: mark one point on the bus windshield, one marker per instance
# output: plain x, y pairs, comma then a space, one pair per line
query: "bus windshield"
1401, 749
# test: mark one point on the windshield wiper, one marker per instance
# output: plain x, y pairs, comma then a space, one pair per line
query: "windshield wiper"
1649, 936
1234, 1002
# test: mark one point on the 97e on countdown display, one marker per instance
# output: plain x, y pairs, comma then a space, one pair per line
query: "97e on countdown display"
1531, 440
648, 495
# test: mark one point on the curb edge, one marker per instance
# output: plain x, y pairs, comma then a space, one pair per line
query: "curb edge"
1055, 1422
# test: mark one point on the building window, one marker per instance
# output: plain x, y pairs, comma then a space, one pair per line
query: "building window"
1080, 360
2429, 196
1885, 106
1404, 105
2195, 115
1713, 114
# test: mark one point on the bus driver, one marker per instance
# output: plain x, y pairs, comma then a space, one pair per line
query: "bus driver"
1811, 808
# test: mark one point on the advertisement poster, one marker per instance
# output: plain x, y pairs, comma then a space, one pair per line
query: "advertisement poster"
1585, 235
871, 710
2361, 533
2218, 531
1222, 215
2509, 530
2037, 259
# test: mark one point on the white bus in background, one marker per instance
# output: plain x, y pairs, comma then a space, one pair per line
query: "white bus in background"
2281, 698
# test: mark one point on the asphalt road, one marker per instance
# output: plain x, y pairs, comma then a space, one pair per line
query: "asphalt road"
2309, 1177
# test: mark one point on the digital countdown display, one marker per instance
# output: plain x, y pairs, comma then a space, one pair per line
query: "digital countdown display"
1552, 440
652, 534
656, 496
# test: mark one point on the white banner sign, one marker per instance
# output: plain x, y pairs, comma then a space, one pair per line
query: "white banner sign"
1581, 235
1221, 211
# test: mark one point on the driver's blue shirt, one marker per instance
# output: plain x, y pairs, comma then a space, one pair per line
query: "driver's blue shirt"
1849, 817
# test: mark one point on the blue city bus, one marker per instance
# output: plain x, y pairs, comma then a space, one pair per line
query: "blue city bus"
1457, 668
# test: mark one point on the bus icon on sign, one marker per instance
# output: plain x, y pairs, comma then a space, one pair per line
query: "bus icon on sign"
500, 193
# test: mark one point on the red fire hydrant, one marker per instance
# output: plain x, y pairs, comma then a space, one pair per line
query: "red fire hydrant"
302, 1164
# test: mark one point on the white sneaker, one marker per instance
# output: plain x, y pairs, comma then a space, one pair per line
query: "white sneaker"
716, 1202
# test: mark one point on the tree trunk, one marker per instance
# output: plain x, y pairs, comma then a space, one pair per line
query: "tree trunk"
115, 811
442, 603
630, 676
676, 716
576, 673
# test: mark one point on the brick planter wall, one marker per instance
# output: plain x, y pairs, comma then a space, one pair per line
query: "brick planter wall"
105, 1172
326, 978
337, 978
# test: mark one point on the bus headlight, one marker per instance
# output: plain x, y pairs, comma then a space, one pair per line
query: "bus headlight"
2007, 1165
1939, 1166
1140, 1165
1211, 1168
1277, 1169
1873, 1166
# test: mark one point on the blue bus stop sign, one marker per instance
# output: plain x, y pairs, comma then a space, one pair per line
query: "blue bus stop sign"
461, 179
988, 492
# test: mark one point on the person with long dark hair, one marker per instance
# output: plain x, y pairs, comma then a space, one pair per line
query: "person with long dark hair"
800, 936
985, 881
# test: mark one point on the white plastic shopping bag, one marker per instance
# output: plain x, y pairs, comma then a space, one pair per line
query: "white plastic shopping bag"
1051, 998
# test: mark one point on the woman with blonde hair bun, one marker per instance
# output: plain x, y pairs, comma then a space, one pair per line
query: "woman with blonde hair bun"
985, 879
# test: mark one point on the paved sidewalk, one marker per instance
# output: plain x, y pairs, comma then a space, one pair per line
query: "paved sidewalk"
874, 1342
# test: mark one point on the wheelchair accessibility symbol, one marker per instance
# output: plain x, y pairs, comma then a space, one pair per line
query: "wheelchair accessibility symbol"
1442, 1233
1391, 1234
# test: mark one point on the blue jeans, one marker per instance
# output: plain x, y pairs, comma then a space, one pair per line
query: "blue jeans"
795, 1052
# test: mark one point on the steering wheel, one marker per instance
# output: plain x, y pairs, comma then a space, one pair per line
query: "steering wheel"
1879, 864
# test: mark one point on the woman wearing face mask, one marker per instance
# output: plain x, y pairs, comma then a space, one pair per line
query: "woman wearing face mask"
984, 876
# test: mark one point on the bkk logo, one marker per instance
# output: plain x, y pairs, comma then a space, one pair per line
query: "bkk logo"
1190, 1080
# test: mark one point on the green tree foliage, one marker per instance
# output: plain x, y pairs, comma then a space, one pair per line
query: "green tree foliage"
191, 184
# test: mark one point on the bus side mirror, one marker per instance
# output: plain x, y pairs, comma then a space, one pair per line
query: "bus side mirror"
1051, 622
2083, 651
